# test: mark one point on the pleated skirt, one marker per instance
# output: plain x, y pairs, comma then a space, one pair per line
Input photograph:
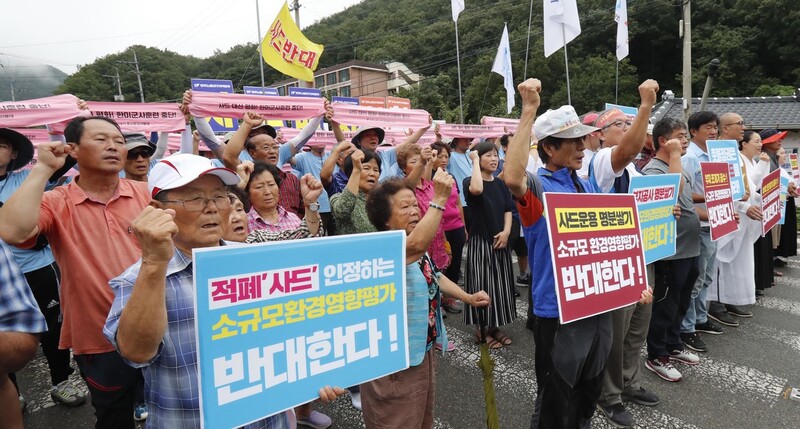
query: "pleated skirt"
489, 270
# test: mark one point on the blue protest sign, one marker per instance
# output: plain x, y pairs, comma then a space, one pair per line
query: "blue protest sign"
728, 151
257, 90
219, 125
295, 91
345, 100
627, 110
655, 198
276, 322
784, 193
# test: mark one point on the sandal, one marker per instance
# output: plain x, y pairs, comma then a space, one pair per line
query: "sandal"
493, 343
502, 337
778, 273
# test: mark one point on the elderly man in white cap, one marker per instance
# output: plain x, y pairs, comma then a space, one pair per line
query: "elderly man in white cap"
148, 323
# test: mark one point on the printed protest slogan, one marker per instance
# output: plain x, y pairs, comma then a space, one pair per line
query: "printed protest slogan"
276, 322
728, 151
379, 117
597, 253
655, 198
40, 111
795, 169
471, 131
770, 201
273, 107
719, 200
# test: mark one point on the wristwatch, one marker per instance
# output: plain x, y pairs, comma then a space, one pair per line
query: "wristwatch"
314, 207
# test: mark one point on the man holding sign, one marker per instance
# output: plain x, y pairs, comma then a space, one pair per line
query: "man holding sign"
570, 365
676, 274
151, 322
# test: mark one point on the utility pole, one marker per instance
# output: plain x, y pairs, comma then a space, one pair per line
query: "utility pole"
295, 6
135, 63
686, 33
258, 46
12, 90
116, 78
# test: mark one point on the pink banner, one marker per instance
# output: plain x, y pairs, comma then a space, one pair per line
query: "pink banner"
471, 131
510, 124
39, 111
208, 104
379, 117
141, 117
35, 135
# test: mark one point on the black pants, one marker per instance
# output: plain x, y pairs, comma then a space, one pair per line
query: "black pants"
671, 297
560, 404
112, 384
329, 223
44, 284
457, 238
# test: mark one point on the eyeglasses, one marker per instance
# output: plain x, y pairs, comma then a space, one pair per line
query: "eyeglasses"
740, 123
199, 203
132, 155
619, 124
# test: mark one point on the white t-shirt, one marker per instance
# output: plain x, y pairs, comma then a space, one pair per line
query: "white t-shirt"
588, 154
603, 175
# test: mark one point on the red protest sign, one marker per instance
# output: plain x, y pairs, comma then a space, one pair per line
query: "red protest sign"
378, 102
597, 253
770, 201
719, 199
402, 103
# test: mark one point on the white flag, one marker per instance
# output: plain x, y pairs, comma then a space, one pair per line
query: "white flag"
560, 22
502, 66
621, 16
458, 7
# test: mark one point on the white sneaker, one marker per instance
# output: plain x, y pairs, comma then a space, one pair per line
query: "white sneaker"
662, 367
685, 357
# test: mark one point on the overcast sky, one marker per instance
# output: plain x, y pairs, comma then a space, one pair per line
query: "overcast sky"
68, 33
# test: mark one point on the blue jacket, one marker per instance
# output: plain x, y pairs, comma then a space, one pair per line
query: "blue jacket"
534, 223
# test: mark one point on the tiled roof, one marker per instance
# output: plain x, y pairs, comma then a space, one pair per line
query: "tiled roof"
781, 112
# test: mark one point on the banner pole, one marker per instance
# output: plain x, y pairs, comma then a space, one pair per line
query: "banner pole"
566, 63
527, 44
458, 62
258, 46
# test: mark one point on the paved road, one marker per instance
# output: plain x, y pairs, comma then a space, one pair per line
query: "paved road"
739, 383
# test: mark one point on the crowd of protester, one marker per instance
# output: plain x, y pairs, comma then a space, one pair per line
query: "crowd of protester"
98, 266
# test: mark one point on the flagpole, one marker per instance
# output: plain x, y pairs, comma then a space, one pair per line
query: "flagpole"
260, 55
527, 44
616, 86
458, 62
566, 63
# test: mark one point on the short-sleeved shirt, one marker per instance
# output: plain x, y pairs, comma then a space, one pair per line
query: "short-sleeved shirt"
460, 166
691, 165
338, 183
93, 242
451, 218
27, 259
687, 242
289, 194
602, 174
487, 210
172, 386
18, 309
286, 220
309, 163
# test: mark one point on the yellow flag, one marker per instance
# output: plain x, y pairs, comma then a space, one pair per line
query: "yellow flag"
285, 48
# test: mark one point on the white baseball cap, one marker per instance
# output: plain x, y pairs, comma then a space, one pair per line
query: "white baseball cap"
562, 123
180, 169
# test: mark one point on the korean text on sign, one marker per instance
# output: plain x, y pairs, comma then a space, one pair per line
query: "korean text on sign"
275, 322
655, 198
597, 252
719, 198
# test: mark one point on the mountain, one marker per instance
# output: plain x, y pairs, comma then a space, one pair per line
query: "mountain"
748, 36
30, 80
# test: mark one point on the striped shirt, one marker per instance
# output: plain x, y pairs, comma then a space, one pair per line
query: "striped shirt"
171, 385
286, 220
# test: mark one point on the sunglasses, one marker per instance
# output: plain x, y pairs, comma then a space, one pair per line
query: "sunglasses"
132, 155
